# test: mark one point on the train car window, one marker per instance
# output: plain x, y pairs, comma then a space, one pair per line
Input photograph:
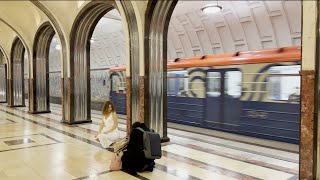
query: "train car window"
214, 84
284, 83
232, 85
177, 83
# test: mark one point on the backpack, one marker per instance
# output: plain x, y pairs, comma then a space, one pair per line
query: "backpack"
151, 144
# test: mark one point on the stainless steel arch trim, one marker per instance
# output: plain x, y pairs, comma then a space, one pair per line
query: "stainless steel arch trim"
4, 55
40, 83
17, 73
157, 19
3, 78
81, 33
64, 70
134, 62
10, 67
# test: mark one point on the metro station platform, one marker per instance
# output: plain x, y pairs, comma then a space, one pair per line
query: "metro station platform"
40, 147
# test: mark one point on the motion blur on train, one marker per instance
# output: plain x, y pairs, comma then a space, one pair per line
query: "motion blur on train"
253, 93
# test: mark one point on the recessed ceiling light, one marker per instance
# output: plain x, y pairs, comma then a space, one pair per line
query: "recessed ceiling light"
211, 8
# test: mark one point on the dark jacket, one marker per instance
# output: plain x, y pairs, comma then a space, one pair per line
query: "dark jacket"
133, 159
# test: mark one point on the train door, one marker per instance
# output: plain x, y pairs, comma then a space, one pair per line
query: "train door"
223, 93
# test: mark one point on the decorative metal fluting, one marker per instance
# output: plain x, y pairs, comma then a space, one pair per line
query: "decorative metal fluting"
134, 60
157, 22
41, 67
17, 72
64, 79
80, 60
3, 79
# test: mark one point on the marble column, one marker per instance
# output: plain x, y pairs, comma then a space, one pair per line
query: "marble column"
307, 132
62, 99
128, 103
142, 98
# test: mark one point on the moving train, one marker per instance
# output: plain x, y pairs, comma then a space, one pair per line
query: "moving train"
253, 93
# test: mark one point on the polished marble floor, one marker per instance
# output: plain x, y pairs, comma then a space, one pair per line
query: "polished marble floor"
40, 147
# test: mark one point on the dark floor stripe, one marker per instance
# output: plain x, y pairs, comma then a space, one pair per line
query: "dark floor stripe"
239, 158
10, 121
105, 172
140, 177
93, 175
208, 167
27, 147
49, 137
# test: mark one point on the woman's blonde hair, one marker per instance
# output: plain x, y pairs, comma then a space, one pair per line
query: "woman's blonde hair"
106, 106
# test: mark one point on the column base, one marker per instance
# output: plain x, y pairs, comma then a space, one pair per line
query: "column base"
38, 112
76, 122
165, 139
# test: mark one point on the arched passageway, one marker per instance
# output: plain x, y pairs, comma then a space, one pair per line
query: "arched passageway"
40, 83
80, 43
107, 50
16, 78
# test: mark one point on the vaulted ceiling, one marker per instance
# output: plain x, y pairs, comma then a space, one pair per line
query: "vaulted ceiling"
240, 26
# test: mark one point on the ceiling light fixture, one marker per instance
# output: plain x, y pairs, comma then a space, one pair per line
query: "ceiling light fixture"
211, 8
58, 47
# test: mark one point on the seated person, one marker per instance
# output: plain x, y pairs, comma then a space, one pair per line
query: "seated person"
133, 159
108, 132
